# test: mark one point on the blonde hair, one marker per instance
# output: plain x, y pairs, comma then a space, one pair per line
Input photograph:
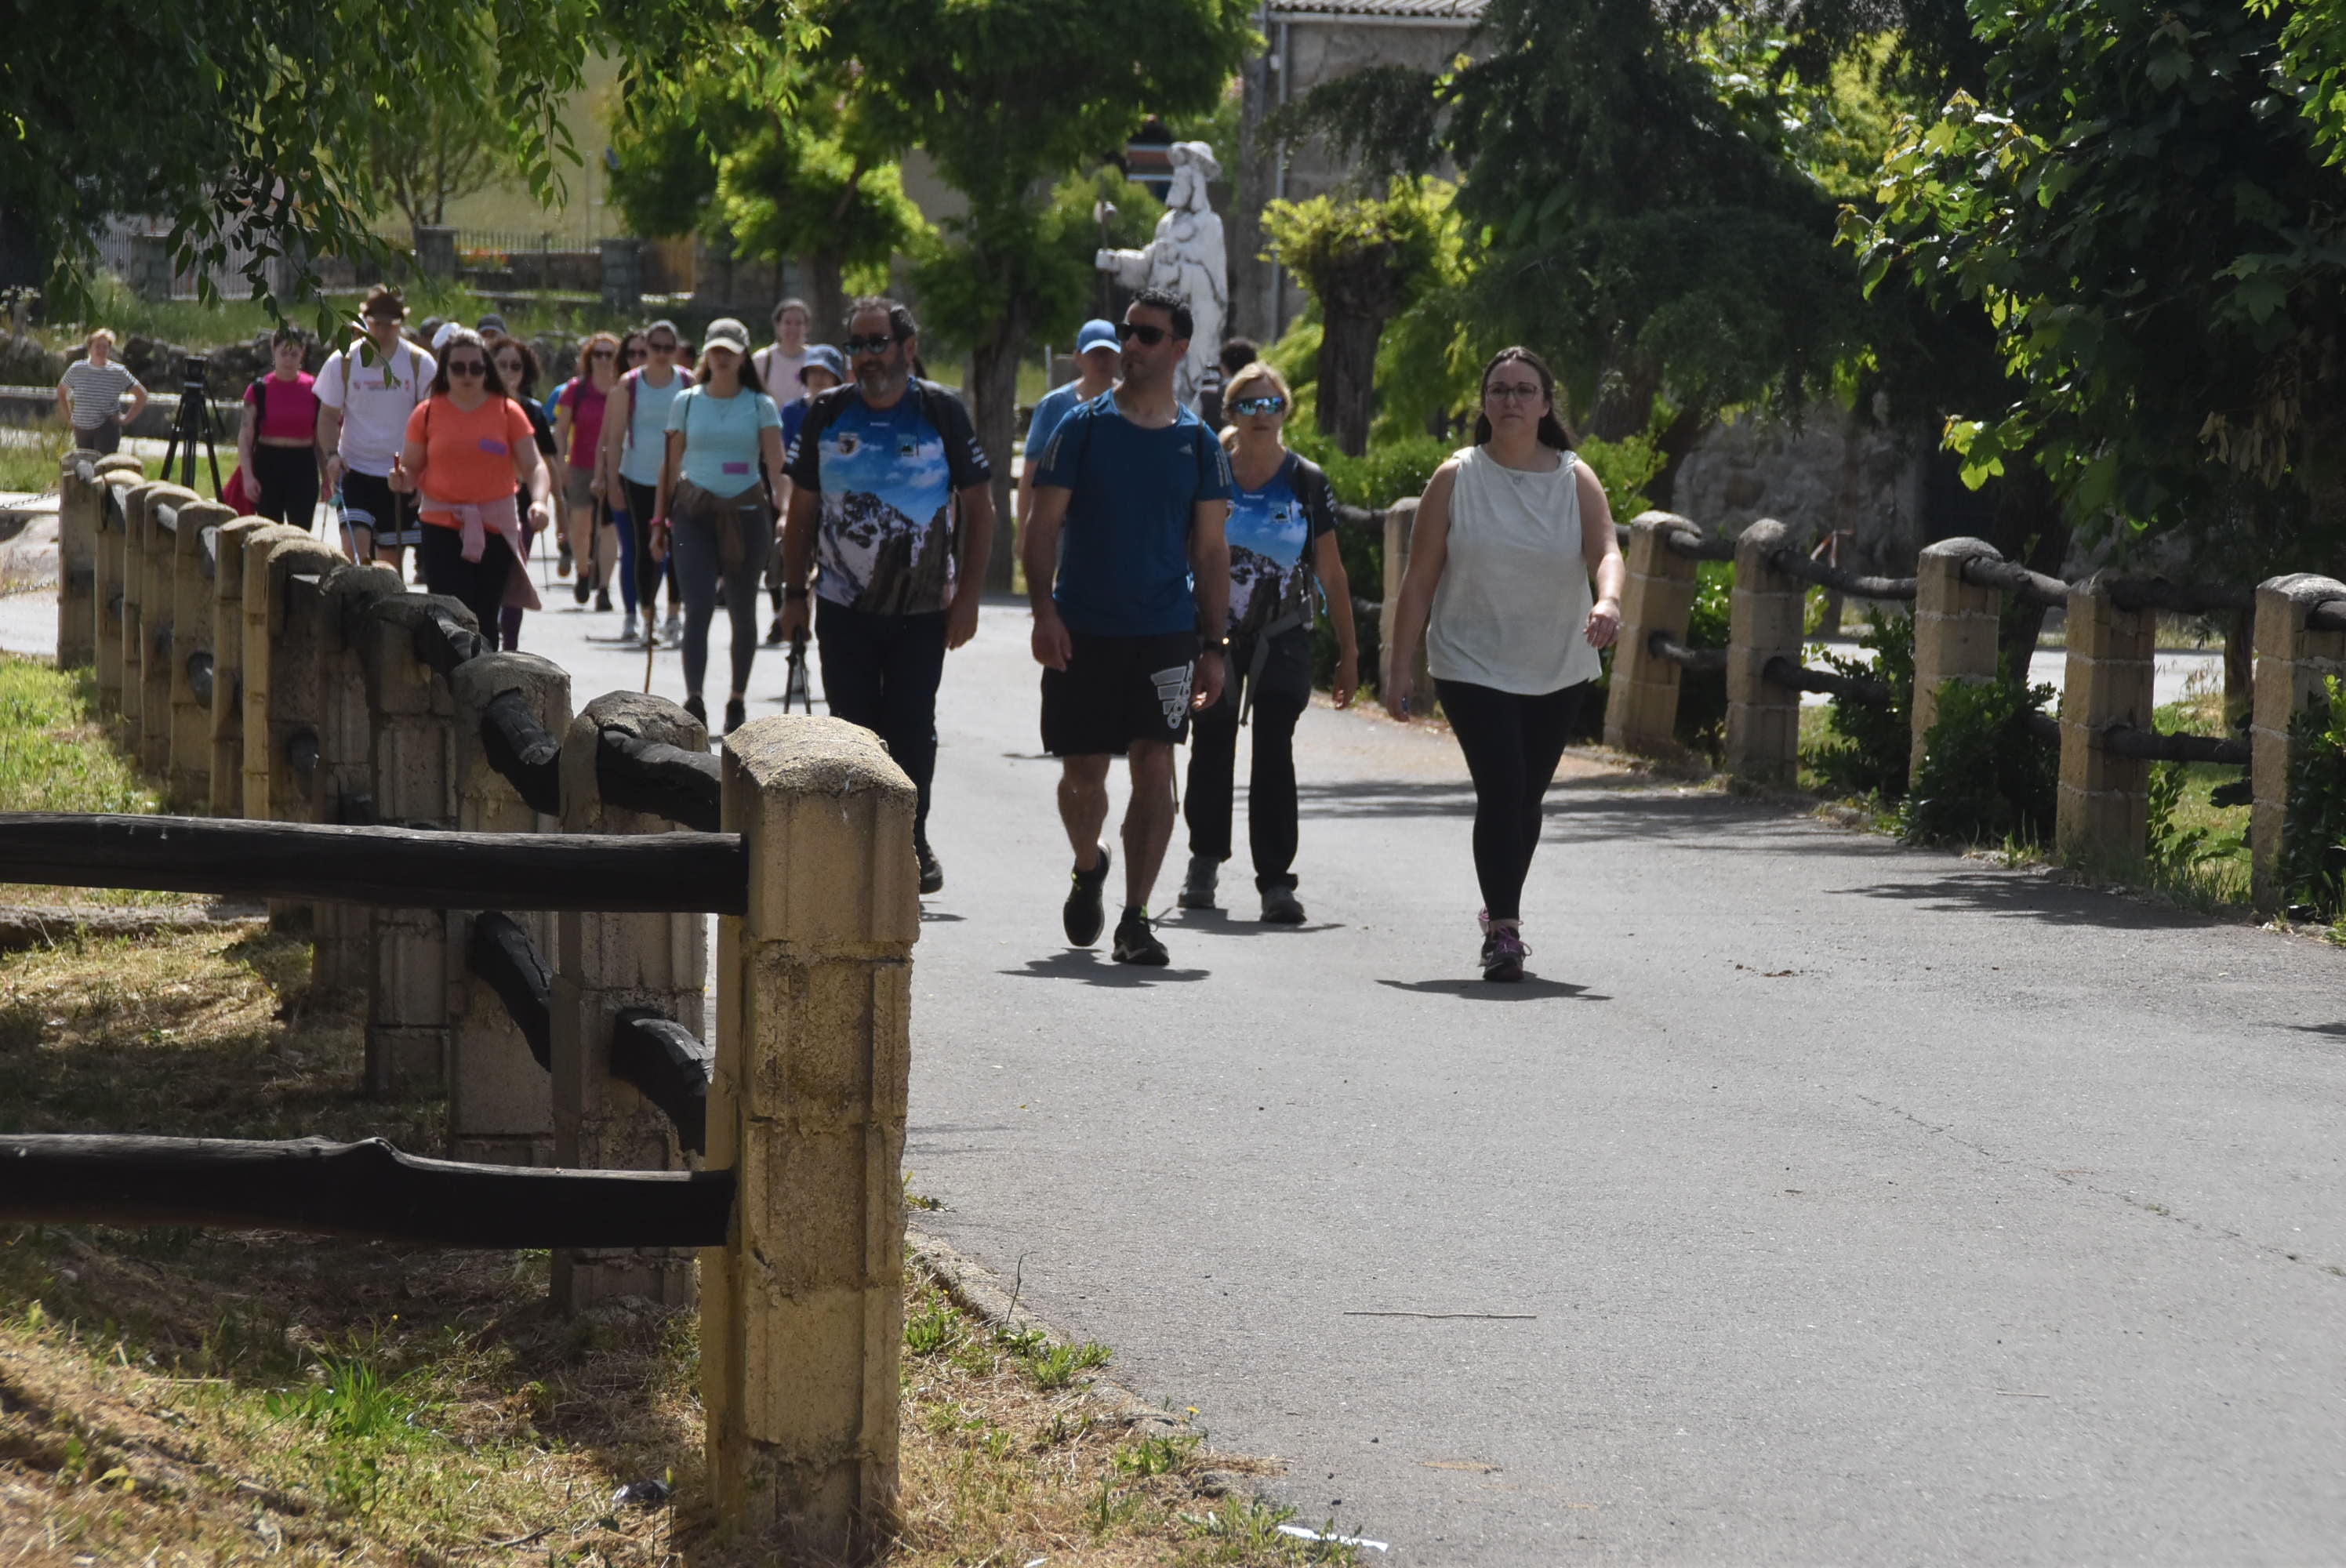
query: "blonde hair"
1246, 376
107, 334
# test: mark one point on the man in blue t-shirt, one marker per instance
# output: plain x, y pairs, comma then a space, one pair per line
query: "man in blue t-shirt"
882, 470
1097, 354
1130, 503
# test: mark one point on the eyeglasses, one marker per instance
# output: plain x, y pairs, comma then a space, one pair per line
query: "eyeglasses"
1149, 336
667, 347
467, 368
1259, 405
1515, 394
877, 343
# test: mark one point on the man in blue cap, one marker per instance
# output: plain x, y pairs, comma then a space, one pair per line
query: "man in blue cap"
1097, 354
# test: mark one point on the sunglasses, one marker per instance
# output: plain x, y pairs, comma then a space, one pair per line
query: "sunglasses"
1149, 336
467, 368
878, 343
603, 353
667, 347
1267, 404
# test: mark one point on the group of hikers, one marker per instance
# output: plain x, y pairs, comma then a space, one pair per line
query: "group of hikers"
1174, 569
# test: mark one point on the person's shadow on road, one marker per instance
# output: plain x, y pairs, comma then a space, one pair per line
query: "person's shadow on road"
1531, 988
1221, 922
1083, 964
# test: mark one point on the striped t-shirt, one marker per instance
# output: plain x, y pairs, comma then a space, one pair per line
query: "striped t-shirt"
96, 391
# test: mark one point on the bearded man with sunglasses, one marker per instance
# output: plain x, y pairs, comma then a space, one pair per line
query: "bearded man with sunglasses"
1126, 558
891, 505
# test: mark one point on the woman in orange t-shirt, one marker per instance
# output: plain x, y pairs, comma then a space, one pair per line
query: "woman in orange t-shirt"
467, 445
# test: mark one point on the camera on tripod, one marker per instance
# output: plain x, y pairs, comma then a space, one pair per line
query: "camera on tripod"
193, 424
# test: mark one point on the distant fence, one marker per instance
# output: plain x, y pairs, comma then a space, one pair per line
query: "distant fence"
505, 882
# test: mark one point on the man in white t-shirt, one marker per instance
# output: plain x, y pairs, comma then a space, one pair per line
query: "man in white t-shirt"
779, 362
365, 393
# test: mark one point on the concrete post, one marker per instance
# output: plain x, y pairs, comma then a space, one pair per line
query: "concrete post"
272, 553
1764, 621
1641, 706
151, 272
79, 506
500, 1101
623, 273
414, 755
2292, 662
604, 962
1400, 518
2104, 797
1954, 629
131, 588
112, 594
435, 250
192, 575
341, 787
803, 1315
158, 545
228, 666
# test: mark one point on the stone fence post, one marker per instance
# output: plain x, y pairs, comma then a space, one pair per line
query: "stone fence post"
500, 1101
110, 597
132, 620
1954, 630
80, 508
228, 666
2102, 817
435, 250
1641, 705
802, 1315
1400, 518
279, 684
2292, 662
342, 786
605, 962
1765, 617
192, 575
157, 544
412, 753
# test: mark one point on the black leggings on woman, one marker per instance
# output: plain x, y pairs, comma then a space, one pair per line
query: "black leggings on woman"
1513, 745
289, 484
479, 585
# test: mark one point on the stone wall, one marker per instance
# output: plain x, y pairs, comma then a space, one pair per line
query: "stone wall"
1832, 471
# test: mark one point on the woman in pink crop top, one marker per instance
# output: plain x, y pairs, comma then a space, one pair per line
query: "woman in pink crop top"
277, 445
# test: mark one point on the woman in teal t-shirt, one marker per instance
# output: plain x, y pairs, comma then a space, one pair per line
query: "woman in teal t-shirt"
712, 509
1284, 556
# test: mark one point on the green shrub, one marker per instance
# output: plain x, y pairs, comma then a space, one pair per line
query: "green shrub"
2313, 825
1984, 778
1876, 743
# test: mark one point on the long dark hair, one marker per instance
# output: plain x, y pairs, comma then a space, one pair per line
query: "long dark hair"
529, 369
464, 337
1553, 430
750, 382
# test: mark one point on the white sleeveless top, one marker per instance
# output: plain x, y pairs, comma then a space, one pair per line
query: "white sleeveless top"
1511, 610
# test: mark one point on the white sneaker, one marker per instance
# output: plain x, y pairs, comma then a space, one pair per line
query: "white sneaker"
672, 630
627, 630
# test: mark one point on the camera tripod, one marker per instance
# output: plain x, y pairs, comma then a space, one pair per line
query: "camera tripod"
194, 423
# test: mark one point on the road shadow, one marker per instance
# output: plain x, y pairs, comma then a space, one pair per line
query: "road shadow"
940, 915
1221, 922
2020, 895
2335, 1031
1531, 988
1091, 969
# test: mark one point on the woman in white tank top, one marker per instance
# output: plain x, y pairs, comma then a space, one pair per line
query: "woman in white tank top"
1508, 536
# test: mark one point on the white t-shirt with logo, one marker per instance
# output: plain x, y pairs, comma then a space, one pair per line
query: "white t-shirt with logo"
375, 400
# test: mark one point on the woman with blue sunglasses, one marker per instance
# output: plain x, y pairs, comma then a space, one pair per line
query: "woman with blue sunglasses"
1284, 559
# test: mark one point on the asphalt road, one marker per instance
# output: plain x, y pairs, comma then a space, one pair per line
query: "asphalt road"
1817, 1200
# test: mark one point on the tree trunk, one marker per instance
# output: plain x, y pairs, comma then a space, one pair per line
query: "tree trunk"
1348, 375
826, 298
2239, 668
2033, 528
993, 408
1674, 441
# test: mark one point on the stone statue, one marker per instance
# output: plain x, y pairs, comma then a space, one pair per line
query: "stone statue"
1188, 258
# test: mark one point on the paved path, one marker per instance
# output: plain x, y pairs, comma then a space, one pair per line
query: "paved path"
1831, 1202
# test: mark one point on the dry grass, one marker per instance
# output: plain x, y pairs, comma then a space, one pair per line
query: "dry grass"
203, 1397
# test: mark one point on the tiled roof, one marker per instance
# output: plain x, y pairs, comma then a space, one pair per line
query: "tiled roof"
1461, 11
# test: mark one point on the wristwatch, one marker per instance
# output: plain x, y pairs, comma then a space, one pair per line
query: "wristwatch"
1216, 645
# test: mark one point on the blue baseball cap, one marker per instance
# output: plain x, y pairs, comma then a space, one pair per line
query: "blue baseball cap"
1097, 334
823, 356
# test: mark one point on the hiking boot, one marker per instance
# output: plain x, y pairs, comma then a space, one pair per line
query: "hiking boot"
562, 562
1504, 953
1197, 888
737, 714
1281, 906
1082, 916
932, 870
581, 590
698, 708
602, 599
1137, 943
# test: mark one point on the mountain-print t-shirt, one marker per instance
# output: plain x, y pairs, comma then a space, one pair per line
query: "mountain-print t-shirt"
1271, 532
887, 477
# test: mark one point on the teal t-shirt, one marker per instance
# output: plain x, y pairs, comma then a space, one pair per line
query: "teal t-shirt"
721, 436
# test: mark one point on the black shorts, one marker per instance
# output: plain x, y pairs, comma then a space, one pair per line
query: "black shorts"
1118, 690
369, 501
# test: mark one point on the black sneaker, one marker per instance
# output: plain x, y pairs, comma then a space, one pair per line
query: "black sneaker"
737, 714
1135, 943
774, 634
1281, 906
602, 598
932, 870
1504, 953
562, 565
1197, 887
1082, 916
698, 708
581, 590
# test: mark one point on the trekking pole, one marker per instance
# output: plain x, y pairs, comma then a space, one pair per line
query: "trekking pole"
796, 685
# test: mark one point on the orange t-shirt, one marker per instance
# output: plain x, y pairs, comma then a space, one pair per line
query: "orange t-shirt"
467, 457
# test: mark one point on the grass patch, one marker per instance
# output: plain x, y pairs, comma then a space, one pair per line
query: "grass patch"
57, 755
216, 1396
29, 459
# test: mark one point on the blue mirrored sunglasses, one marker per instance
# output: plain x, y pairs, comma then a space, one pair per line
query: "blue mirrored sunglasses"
1259, 405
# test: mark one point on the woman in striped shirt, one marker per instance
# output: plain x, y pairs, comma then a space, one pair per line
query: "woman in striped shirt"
90, 396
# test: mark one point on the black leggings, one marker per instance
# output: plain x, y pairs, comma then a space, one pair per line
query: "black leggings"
479, 585
1513, 745
649, 574
882, 672
289, 484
